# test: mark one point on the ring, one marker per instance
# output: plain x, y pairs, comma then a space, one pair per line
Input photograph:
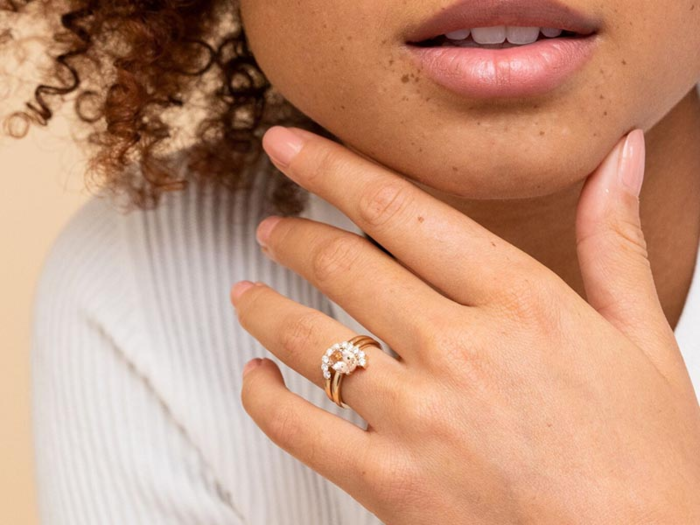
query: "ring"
355, 345
343, 359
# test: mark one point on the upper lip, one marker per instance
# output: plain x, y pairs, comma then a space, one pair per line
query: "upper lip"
468, 14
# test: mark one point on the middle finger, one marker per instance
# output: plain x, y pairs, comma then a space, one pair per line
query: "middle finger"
461, 258
373, 288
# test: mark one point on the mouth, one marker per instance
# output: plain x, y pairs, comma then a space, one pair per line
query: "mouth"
503, 48
497, 37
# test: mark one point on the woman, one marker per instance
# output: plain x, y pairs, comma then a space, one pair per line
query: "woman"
473, 174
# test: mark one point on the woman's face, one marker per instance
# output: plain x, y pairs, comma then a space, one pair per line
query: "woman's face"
347, 66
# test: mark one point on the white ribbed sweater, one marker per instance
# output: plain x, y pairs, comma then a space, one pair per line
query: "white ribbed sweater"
137, 359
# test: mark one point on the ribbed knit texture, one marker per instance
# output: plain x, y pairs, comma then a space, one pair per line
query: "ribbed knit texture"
137, 361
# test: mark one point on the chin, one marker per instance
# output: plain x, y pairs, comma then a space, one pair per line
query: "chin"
474, 167
528, 179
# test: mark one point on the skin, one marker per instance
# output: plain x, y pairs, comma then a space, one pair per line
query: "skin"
424, 132
514, 401
572, 373
352, 49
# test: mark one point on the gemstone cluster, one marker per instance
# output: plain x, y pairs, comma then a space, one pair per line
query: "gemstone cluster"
343, 358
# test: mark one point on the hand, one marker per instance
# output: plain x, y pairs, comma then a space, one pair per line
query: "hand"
515, 400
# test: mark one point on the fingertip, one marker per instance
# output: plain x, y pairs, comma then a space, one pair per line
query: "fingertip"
260, 365
250, 365
632, 164
282, 144
261, 376
238, 289
604, 187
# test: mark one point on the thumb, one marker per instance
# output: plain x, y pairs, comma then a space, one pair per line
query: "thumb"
612, 251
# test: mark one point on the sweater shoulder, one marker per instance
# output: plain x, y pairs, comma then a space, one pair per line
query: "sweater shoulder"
111, 264
132, 335
103, 240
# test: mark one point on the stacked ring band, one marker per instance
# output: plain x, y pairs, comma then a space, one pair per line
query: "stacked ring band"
342, 359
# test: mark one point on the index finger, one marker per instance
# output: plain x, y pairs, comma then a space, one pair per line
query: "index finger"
443, 246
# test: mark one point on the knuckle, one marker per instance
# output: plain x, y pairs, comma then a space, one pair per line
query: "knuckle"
453, 351
434, 328
384, 202
528, 300
469, 363
298, 333
615, 232
425, 410
336, 256
631, 235
443, 334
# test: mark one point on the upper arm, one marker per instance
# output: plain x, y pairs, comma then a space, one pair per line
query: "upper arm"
108, 448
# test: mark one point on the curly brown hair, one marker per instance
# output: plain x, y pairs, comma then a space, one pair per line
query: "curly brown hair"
129, 65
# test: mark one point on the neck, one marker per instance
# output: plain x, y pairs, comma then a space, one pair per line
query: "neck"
544, 227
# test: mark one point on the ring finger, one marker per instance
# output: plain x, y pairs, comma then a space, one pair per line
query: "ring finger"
299, 335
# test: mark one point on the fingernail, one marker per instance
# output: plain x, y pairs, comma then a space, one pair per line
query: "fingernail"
282, 144
632, 162
251, 364
238, 289
265, 228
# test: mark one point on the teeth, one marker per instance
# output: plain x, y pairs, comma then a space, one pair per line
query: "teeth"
458, 35
499, 34
551, 32
489, 35
522, 35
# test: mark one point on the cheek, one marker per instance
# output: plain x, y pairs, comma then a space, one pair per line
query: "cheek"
312, 50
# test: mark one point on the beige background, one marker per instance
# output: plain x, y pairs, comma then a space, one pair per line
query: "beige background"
40, 188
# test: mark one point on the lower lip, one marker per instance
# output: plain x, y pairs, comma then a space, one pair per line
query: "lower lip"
523, 71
